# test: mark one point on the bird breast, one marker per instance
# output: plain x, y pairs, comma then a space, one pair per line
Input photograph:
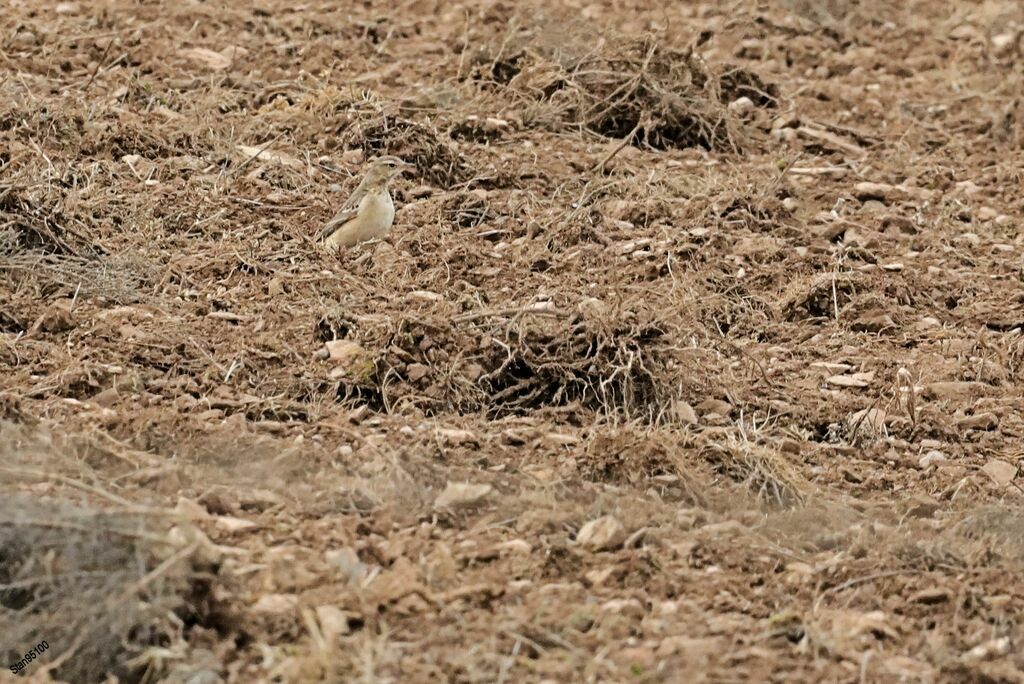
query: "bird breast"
379, 210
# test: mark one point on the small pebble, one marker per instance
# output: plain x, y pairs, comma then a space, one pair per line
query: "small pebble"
352, 156
932, 458
741, 106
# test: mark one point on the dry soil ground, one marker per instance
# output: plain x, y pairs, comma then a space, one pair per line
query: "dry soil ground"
695, 353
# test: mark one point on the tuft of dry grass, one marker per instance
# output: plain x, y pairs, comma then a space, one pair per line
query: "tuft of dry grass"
99, 586
39, 221
119, 279
515, 360
764, 470
436, 160
103, 580
996, 527
636, 454
638, 90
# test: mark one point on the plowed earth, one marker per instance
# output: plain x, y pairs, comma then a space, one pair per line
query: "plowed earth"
694, 354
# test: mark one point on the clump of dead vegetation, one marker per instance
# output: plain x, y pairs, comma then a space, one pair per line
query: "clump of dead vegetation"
996, 528
120, 280
765, 471
633, 455
513, 361
110, 586
435, 159
35, 220
100, 587
639, 90
39, 250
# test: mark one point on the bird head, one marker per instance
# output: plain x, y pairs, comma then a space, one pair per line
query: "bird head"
383, 169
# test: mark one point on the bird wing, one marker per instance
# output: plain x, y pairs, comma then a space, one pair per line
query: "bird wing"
348, 211
340, 219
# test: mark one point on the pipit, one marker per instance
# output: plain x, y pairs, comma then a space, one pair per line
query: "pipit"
369, 211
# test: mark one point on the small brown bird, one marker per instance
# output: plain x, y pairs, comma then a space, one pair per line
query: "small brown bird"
369, 211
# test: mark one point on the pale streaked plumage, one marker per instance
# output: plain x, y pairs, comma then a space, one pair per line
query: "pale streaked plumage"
369, 211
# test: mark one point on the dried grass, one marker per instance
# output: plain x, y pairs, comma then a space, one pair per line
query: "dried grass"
96, 576
64, 567
560, 279
765, 471
996, 527
39, 221
642, 457
637, 90
83, 579
118, 279
436, 160
515, 361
